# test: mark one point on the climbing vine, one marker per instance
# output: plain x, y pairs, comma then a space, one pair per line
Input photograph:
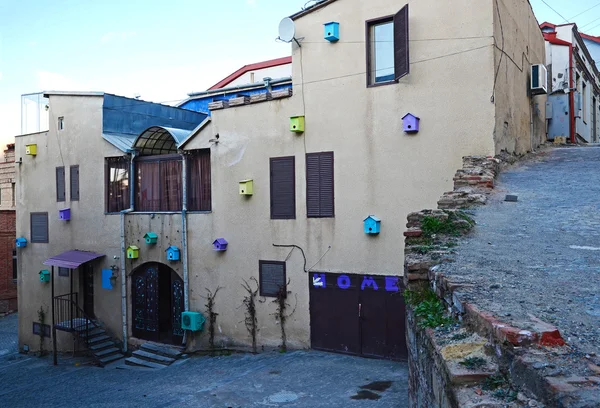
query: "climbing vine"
42, 320
281, 314
249, 303
212, 316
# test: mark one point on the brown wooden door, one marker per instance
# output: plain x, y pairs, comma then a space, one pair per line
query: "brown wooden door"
358, 314
88, 290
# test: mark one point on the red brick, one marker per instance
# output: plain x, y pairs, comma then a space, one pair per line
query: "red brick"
413, 233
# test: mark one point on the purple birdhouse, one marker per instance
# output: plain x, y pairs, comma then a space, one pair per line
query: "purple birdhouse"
65, 214
220, 244
411, 123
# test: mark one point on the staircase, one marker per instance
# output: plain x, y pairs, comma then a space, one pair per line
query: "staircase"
69, 317
154, 355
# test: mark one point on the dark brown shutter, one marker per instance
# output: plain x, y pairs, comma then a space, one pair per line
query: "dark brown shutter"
74, 179
39, 227
401, 49
319, 185
199, 189
283, 188
60, 184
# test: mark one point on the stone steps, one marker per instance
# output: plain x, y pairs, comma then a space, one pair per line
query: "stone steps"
134, 361
154, 355
161, 350
155, 358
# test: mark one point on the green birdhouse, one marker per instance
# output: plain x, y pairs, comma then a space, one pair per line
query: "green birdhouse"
133, 252
151, 238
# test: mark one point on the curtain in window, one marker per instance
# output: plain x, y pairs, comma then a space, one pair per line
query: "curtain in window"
148, 186
171, 188
159, 185
199, 188
117, 184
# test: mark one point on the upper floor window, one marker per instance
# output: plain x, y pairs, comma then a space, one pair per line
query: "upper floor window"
199, 183
387, 48
319, 185
61, 123
116, 184
159, 183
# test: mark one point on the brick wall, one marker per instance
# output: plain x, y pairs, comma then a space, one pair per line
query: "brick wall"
8, 286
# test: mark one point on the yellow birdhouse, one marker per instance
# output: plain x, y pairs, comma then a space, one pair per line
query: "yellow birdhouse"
246, 187
297, 124
133, 252
31, 149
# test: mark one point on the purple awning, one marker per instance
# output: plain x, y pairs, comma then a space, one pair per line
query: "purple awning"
72, 259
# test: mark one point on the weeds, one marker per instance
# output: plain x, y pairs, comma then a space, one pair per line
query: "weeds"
212, 317
448, 226
495, 381
473, 363
428, 308
281, 314
42, 320
249, 303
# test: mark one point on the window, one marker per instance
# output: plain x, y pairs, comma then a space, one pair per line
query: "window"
116, 184
14, 257
199, 187
74, 179
60, 184
13, 193
283, 188
159, 183
272, 278
319, 185
64, 272
39, 227
61, 123
585, 100
387, 48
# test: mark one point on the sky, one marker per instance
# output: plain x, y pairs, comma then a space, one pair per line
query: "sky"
159, 49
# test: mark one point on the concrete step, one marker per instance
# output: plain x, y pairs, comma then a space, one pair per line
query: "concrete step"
110, 359
161, 350
133, 361
102, 346
155, 358
98, 339
106, 352
95, 332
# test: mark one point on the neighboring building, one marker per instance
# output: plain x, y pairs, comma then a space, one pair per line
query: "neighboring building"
8, 255
574, 86
308, 193
253, 79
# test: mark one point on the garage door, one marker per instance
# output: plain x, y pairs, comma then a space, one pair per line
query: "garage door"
358, 314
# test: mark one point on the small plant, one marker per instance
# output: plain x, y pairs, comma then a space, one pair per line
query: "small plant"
508, 395
448, 226
42, 320
495, 381
428, 308
249, 303
281, 314
473, 363
414, 297
212, 317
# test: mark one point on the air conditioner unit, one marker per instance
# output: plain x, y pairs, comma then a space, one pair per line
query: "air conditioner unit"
539, 79
192, 321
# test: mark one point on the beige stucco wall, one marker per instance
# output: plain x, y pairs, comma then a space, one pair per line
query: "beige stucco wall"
516, 31
80, 143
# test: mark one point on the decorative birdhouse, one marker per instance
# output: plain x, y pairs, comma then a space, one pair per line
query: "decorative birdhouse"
411, 123
133, 252
172, 253
372, 225
44, 275
31, 149
65, 214
246, 187
297, 124
21, 242
332, 31
220, 244
151, 238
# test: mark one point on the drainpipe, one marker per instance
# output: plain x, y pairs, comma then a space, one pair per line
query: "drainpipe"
571, 94
186, 286
124, 253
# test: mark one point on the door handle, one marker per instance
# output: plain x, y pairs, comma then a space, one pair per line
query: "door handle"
359, 310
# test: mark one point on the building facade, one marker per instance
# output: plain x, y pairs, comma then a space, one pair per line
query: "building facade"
8, 265
300, 197
574, 86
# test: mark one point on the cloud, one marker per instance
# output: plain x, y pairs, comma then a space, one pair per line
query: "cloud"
0, 75
118, 36
52, 81
251, 3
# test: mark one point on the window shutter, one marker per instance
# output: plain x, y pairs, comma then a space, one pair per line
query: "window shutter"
283, 188
74, 178
60, 184
39, 227
319, 185
401, 49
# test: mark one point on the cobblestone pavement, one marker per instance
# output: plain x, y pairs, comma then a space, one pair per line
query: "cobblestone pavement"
9, 335
541, 255
293, 379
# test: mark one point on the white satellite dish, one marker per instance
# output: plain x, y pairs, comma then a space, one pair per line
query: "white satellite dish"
287, 30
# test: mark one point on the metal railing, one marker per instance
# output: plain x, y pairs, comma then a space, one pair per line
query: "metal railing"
69, 317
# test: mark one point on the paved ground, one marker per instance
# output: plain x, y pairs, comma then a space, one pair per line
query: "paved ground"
8, 335
294, 379
541, 255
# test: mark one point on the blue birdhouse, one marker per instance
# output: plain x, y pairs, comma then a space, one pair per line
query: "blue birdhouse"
220, 244
65, 214
44, 275
172, 253
151, 238
411, 123
21, 242
332, 31
372, 225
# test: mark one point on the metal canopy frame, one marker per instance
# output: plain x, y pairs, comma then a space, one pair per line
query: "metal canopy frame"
155, 141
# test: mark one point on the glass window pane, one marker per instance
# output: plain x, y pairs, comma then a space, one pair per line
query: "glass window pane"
382, 52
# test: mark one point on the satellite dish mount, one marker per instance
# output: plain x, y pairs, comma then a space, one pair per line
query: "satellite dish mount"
287, 31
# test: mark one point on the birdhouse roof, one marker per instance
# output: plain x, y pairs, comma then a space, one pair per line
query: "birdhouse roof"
374, 218
133, 247
21, 239
150, 235
245, 181
411, 115
172, 248
221, 241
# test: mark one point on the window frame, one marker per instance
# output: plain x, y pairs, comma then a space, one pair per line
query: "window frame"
158, 159
31, 228
368, 25
15, 264
188, 155
319, 154
107, 181
260, 277
293, 160
71, 196
60, 199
